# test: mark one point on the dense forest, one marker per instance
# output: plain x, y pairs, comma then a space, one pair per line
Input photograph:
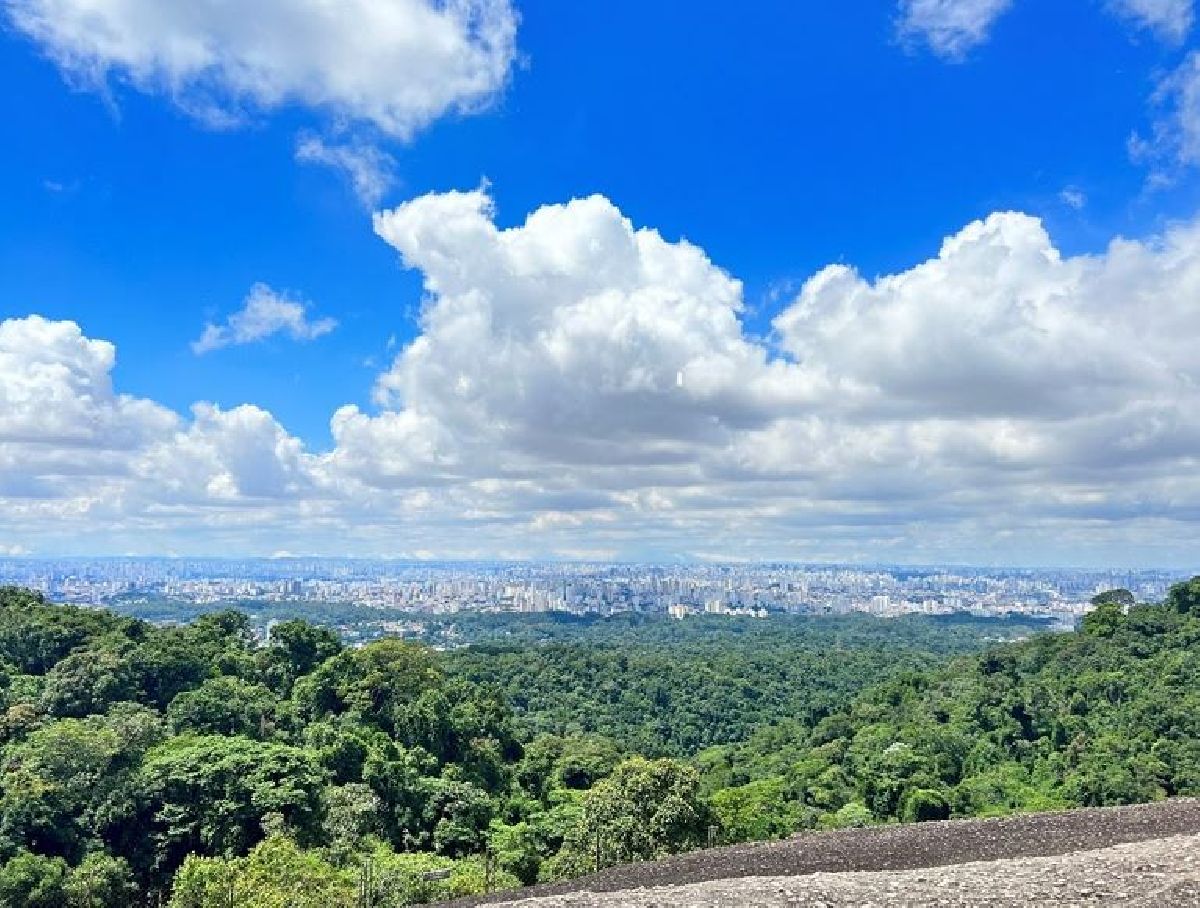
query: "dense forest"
1107, 715
670, 688
192, 767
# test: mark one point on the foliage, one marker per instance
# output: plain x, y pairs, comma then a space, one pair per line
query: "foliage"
146, 764
672, 688
277, 872
757, 811
33, 881
1110, 715
644, 810
212, 795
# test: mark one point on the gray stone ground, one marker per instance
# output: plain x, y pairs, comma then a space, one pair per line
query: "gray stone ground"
1158, 872
1147, 855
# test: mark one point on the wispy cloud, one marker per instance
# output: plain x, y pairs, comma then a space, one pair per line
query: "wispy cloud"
1073, 197
950, 28
1171, 20
1173, 142
371, 171
265, 314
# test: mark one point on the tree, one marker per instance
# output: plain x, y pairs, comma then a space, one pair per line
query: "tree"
585, 760
100, 881
401, 879
276, 873
922, 804
33, 881
518, 850
854, 815
170, 662
756, 811
1103, 620
352, 814
454, 817
1119, 596
379, 683
225, 706
1108, 612
61, 783
1184, 597
210, 795
35, 635
645, 809
297, 648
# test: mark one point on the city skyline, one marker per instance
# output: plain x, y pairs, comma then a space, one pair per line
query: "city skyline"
511, 280
365, 599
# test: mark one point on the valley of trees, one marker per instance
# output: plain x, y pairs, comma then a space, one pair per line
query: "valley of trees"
189, 767
671, 688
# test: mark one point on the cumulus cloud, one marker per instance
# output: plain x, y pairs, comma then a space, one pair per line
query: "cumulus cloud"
578, 365
394, 64
264, 314
950, 28
580, 383
1169, 19
993, 326
228, 456
370, 170
574, 337
56, 391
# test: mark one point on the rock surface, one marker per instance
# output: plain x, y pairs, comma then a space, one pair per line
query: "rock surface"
1143, 855
1160, 872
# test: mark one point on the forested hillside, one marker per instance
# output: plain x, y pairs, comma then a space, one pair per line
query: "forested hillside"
1107, 715
671, 688
190, 767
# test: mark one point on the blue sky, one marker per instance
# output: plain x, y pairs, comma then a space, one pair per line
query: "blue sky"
777, 138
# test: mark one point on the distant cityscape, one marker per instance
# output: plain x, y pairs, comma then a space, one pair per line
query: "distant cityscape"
678, 590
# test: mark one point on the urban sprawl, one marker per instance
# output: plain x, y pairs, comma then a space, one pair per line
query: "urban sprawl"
680, 591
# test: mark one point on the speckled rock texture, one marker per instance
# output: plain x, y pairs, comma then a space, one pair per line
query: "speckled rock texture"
1159, 872
1146, 855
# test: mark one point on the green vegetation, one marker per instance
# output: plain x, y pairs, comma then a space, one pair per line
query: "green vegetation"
1108, 715
191, 766
671, 688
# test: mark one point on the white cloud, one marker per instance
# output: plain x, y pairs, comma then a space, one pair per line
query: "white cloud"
228, 456
1169, 19
565, 338
1175, 138
995, 325
56, 391
1073, 197
370, 170
264, 314
1000, 400
395, 64
998, 381
950, 28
